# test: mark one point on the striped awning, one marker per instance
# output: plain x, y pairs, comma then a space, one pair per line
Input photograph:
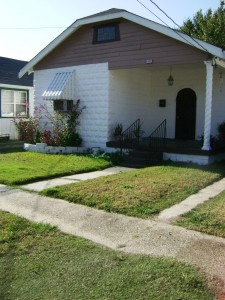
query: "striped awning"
61, 87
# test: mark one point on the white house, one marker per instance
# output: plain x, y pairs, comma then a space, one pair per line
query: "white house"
15, 95
118, 64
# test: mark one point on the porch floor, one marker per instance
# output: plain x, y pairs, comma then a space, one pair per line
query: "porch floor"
184, 147
192, 147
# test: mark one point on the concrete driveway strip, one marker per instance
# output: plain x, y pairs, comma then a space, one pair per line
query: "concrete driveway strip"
45, 184
192, 201
118, 232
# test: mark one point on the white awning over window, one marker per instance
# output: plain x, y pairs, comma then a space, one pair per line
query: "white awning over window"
61, 87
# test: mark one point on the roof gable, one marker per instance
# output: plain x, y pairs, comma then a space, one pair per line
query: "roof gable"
136, 46
114, 14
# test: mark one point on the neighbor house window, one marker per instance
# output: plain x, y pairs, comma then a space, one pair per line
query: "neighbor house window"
63, 105
14, 103
106, 33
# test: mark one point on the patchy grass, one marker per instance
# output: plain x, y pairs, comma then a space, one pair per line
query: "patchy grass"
24, 167
39, 262
208, 217
141, 193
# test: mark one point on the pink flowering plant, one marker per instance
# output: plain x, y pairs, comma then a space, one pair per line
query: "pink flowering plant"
29, 128
63, 126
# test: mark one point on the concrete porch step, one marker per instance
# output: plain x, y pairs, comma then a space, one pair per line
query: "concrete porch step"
142, 159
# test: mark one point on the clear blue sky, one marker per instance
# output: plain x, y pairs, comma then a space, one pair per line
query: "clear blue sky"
21, 20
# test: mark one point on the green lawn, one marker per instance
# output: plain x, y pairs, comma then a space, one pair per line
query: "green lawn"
39, 262
141, 193
24, 167
208, 217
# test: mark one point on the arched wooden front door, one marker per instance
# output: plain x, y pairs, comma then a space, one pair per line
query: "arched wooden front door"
185, 114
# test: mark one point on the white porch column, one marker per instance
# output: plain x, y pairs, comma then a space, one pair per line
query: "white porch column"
208, 105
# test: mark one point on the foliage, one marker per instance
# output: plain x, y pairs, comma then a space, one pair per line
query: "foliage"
208, 27
29, 128
138, 131
118, 130
39, 262
141, 193
63, 127
115, 158
47, 137
221, 130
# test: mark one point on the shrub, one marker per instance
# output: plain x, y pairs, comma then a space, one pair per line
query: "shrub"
29, 128
63, 127
221, 130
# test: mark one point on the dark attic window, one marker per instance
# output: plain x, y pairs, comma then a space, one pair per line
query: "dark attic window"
106, 33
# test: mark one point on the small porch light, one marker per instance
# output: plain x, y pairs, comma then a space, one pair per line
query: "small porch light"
170, 79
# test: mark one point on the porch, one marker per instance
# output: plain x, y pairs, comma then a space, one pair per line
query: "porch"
171, 149
192, 106
141, 151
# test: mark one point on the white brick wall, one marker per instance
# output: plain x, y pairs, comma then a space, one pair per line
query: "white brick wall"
91, 87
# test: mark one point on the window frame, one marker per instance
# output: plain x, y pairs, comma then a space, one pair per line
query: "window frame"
14, 102
113, 25
65, 105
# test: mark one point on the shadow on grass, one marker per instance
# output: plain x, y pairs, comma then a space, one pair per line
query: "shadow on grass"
11, 146
217, 167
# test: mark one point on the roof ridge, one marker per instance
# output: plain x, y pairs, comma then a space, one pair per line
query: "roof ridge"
105, 12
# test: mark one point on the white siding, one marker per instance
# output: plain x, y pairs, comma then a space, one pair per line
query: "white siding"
91, 87
7, 127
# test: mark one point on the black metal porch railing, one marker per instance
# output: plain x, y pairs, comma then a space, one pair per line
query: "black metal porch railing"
157, 138
131, 136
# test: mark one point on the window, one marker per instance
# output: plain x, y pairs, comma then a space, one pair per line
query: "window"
63, 105
14, 103
106, 33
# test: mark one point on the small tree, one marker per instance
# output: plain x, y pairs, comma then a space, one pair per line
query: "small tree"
208, 27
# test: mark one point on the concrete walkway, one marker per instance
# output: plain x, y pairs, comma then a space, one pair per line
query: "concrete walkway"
191, 202
167, 215
119, 232
45, 184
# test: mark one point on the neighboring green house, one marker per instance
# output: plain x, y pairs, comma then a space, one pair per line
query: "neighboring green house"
15, 94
